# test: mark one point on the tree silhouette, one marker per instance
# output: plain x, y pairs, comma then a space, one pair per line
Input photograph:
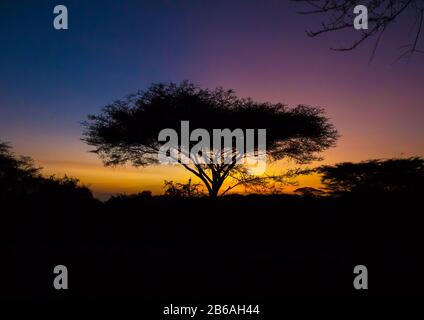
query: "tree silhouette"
12, 165
127, 130
375, 176
19, 178
185, 190
381, 14
17, 174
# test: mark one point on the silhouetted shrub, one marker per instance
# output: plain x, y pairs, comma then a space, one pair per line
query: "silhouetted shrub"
184, 190
20, 179
375, 176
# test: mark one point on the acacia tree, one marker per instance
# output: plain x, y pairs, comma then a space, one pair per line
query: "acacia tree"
339, 15
127, 130
404, 175
17, 174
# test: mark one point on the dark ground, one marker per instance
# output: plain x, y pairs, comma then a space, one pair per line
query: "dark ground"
253, 249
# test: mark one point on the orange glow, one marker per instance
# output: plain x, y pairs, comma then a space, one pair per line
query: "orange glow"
106, 181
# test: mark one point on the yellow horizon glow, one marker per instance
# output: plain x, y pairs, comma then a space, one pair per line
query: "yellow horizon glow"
107, 181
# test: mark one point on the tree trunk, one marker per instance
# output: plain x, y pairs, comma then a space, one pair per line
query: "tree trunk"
213, 193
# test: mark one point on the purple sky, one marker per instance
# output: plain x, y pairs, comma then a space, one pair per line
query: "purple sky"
50, 80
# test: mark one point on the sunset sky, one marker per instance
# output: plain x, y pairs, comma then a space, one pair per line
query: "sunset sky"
51, 80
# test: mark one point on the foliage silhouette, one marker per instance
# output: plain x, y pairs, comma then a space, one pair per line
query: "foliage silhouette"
375, 176
188, 190
20, 178
127, 130
17, 174
254, 247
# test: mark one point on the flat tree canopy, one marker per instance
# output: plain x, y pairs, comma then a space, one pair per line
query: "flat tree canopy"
405, 175
127, 130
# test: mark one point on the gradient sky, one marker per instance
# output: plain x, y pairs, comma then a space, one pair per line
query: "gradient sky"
50, 80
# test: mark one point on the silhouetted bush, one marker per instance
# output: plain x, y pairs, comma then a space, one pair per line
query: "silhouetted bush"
255, 246
21, 180
184, 190
375, 176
